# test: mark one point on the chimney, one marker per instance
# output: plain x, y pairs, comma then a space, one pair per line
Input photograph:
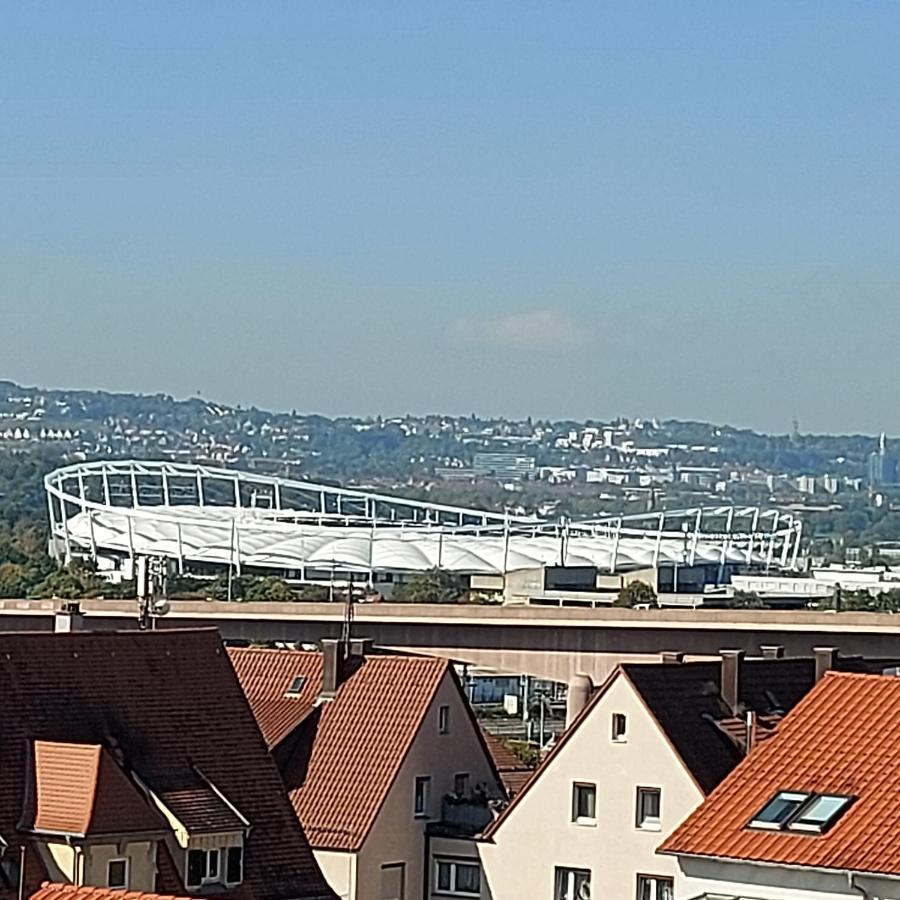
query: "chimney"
579, 693
750, 725
332, 663
672, 657
730, 677
361, 647
68, 617
826, 658
772, 651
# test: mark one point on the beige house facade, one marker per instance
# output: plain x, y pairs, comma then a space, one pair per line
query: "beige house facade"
589, 824
399, 858
640, 754
386, 767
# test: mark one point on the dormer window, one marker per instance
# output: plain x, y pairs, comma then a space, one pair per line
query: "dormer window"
117, 873
202, 867
209, 829
220, 865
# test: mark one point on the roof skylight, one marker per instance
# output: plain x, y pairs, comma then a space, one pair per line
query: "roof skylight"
296, 685
800, 811
779, 810
820, 813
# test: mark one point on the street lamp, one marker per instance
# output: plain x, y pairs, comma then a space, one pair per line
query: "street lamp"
684, 555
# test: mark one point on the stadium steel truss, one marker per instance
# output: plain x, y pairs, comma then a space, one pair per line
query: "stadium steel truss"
250, 522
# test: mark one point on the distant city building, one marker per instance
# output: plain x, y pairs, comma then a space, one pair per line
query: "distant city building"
503, 465
882, 466
830, 484
806, 484
698, 476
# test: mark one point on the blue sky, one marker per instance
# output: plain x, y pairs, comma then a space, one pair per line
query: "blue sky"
555, 209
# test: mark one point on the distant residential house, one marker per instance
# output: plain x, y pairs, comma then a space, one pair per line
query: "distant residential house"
643, 753
384, 763
812, 815
131, 761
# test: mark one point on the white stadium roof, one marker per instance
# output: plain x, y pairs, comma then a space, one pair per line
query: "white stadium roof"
162, 509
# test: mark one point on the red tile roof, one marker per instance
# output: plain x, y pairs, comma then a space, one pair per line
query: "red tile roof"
513, 772
340, 765
50, 891
841, 739
166, 703
78, 789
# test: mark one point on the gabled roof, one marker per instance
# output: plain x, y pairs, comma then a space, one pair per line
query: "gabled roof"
344, 754
51, 891
685, 700
841, 739
80, 790
161, 702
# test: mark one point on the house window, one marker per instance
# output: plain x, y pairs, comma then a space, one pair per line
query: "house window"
584, 804
443, 720
461, 784
393, 881
571, 884
423, 790
619, 727
117, 873
457, 877
652, 887
204, 867
648, 804
234, 865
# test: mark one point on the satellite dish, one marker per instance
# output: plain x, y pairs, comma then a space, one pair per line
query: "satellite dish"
161, 606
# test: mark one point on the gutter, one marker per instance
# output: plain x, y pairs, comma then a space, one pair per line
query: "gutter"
851, 883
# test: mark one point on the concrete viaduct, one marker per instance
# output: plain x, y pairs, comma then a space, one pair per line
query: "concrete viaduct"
540, 641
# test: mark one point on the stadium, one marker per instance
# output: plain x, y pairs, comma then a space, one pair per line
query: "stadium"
207, 520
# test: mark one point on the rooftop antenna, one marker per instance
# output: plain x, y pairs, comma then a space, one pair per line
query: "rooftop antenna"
347, 624
151, 590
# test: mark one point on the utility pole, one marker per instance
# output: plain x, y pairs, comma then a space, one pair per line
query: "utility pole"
347, 624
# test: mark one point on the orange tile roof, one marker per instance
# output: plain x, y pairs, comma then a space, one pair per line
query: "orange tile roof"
841, 739
349, 750
79, 789
51, 891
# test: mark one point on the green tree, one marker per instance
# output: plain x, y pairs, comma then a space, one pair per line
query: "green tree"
746, 600
636, 593
271, 589
433, 586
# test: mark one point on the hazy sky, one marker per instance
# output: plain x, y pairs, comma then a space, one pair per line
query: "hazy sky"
558, 209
